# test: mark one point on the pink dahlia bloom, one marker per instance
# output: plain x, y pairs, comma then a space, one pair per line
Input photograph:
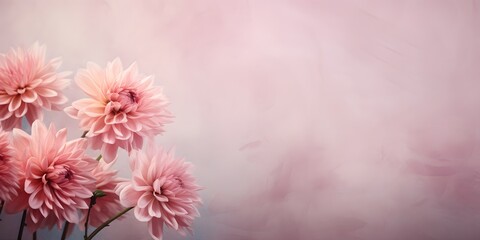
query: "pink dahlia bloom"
162, 191
108, 205
123, 107
9, 170
28, 83
58, 176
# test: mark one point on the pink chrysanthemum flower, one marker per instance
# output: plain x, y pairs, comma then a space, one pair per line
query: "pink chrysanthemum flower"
28, 83
123, 107
58, 178
162, 191
9, 170
106, 206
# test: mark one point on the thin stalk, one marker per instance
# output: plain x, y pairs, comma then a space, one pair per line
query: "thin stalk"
1, 206
65, 230
35, 235
99, 157
90, 237
84, 134
88, 217
22, 225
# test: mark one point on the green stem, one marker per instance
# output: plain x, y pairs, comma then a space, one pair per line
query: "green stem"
84, 134
22, 225
1, 206
99, 157
92, 200
65, 230
90, 237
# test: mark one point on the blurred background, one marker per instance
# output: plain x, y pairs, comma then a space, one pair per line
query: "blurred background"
304, 119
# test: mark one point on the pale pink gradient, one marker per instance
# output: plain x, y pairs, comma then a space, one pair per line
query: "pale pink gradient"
334, 119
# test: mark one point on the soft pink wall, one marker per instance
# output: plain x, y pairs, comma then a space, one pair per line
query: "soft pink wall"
304, 119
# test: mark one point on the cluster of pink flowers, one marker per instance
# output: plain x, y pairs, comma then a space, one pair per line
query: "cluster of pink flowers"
54, 182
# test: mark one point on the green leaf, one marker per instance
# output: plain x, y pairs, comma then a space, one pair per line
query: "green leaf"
99, 193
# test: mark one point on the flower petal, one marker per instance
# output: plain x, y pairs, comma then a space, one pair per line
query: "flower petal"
155, 228
142, 214
29, 96
15, 103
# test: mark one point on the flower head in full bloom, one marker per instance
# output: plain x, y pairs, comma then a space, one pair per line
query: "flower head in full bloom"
58, 176
9, 170
162, 191
108, 205
28, 84
123, 107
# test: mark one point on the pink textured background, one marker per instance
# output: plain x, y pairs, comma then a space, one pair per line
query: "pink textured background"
305, 119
